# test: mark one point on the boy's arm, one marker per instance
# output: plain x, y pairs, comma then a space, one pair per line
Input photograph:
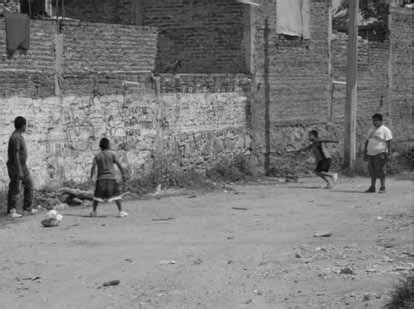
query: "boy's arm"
18, 161
301, 149
328, 141
365, 150
389, 148
120, 167
93, 167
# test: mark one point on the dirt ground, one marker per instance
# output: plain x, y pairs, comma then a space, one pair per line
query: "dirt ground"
248, 246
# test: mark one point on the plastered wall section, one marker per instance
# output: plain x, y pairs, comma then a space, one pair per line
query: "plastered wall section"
191, 128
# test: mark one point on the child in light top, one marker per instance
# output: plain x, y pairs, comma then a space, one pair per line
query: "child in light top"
107, 188
322, 158
377, 151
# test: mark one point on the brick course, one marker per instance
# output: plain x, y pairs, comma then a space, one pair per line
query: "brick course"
402, 72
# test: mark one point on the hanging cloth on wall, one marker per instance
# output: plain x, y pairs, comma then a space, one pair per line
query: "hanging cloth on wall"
17, 33
293, 17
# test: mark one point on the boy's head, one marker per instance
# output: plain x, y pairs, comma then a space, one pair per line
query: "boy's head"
104, 143
313, 135
377, 120
20, 123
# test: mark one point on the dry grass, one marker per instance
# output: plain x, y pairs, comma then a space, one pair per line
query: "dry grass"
403, 295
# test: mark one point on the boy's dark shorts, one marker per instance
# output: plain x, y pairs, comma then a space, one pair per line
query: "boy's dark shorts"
107, 189
376, 165
323, 165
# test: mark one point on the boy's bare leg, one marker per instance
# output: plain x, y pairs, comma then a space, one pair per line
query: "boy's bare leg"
121, 212
94, 207
119, 205
324, 177
333, 176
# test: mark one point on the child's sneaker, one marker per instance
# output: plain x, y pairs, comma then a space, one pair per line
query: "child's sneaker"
370, 190
123, 214
93, 214
381, 190
14, 214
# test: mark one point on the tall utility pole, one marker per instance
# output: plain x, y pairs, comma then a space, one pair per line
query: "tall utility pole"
351, 88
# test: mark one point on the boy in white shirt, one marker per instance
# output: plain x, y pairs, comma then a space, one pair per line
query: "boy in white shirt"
377, 150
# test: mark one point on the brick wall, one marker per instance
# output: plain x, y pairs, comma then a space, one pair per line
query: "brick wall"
100, 47
402, 72
103, 11
87, 47
291, 82
40, 56
373, 83
206, 36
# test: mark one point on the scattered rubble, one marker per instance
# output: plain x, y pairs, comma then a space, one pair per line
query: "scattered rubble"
53, 218
111, 283
346, 271
323, 234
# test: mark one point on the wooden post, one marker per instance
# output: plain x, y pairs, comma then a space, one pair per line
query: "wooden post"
351, 88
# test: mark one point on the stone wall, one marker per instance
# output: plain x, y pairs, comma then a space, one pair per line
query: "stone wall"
190, 122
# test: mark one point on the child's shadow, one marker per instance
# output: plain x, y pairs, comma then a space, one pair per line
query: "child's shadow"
348, 191
304, 187
84, 216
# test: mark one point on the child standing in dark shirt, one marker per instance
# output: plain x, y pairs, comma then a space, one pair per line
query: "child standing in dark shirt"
107, 189
322, 158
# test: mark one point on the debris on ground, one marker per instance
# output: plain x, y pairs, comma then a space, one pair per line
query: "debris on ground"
198, 262
323, 234
32, 278
347, 271
62, 206
168, 262
111, 283
74, 197
53, 218
239, 208
163, 219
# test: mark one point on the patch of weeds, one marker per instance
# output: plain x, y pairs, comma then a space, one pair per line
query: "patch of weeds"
235, 170
84, 186
3, 201
403, 161
403, 295
189, 179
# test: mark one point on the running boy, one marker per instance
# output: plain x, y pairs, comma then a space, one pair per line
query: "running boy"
376, 152
107, 188
322, 158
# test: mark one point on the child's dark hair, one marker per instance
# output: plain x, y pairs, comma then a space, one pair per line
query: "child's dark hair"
104, 143
314, 133
377, 117
19, 122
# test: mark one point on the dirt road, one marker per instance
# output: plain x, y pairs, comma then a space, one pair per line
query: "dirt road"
254, 247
